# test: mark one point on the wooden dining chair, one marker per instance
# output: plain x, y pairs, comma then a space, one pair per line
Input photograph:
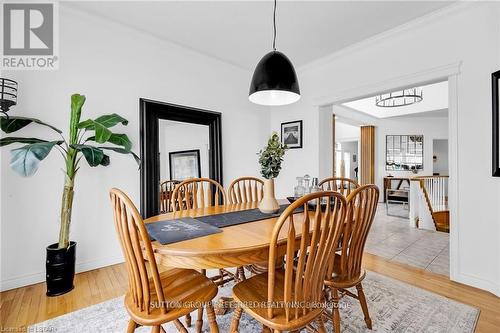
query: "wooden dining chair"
166, 190
155, 298
245, 190
294, 294
197, 193
338, 184
345, 269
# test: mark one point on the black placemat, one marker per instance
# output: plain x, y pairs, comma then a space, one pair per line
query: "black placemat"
172, 231
239, 217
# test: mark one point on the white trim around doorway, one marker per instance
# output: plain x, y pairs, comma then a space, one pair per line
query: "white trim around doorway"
450, 72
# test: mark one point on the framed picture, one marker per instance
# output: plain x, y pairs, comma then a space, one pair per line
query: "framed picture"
184, 164
291, 134
495, 84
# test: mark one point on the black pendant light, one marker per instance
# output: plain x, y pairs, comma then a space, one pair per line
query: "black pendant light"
274, 81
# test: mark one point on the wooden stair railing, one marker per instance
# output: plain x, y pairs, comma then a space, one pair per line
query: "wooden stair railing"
434, 190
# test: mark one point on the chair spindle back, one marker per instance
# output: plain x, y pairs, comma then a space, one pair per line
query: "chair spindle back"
245, 190
166, 189
320, 231
343, 185
134, 238
197, 193
361, 208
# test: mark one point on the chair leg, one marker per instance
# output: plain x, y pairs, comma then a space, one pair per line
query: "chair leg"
131, 326
162, 330
321, 325
336, 311
265, 329
235, 323
221, 273
241, 274
179, 326
199, 320
155, 329
214, 328
188, 320
364, 305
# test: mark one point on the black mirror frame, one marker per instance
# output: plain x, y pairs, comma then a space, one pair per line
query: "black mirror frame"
150, 112
495, 78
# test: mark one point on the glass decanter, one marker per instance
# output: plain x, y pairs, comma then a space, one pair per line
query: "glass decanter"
306, 184
314, 185
299, 190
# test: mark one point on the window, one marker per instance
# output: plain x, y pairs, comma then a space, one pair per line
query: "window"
404, 152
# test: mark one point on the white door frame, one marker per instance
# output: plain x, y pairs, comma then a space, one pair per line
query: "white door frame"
450, 72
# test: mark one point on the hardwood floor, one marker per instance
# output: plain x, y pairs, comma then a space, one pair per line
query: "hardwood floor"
22, 307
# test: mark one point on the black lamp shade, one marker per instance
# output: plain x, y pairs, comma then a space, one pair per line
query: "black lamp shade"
274, 81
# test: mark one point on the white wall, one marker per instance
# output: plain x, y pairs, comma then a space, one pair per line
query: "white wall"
346, 132
440, 150
113, 66
177, 136
298, 162
468, 33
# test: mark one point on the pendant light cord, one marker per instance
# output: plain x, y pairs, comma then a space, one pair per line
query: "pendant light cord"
274, 26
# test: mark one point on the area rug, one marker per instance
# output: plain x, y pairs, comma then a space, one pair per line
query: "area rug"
394, 307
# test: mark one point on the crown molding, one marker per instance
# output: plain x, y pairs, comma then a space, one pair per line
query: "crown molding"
427, 76
411, 25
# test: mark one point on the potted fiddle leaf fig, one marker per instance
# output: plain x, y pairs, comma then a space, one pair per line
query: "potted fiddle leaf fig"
86, 139
270, 160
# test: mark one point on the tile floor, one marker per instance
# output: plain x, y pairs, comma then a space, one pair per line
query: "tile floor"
392, 237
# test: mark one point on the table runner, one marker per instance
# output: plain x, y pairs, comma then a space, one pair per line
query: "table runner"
166, 233
239, 217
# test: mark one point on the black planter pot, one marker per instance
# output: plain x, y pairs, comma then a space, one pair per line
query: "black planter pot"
60, 269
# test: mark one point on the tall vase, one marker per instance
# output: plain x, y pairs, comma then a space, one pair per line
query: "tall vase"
269, 204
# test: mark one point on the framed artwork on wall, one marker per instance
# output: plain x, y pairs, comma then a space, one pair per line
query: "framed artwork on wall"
291, 134
184, 164
495, 84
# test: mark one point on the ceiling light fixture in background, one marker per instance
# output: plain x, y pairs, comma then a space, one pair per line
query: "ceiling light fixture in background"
400, 98
274, 81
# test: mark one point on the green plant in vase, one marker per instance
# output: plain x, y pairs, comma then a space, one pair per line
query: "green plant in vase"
85, 139
270, 159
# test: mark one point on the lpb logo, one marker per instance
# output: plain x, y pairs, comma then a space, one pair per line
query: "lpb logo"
29, 36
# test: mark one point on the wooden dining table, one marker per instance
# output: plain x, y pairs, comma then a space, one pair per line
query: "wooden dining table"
238, 245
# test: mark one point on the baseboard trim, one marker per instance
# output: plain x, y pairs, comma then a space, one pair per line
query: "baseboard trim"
29, 279
477, 282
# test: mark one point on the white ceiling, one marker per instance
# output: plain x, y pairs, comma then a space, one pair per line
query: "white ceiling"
240, 32
434, 104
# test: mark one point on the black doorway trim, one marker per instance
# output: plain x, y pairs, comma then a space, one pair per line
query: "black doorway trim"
150, 114
495, 82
